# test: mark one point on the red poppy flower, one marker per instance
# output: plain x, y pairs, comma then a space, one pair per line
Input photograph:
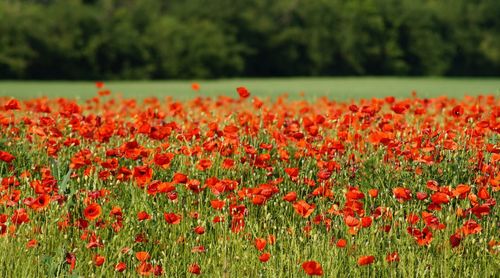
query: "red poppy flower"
290, 197
204, 164
351, 221
402, 194
353, 108
7, 157
144, 269
260, 244
366, 222
92, 211
20, 216
392, 257
218, 219
199, 230
217, 204
366, 260
228, 163
400, 108
198, 249
455, 240
165, 187
143, 175
12, 104
324, 174
243, 92
180, 178
264, 257
194, 269
71, 260
373, 193
354, 194
303, 208
195, 86
142, 215
483, 193
158, 270
341, 243
163, 159
461, 191
104, 93
432, 185
423, 237
142, 256
120, 267
292, 172
259, 200
32, 243
471, 227
422, 195
412, 218
99, 260
457, 111
172, 218
439, 198
312, 268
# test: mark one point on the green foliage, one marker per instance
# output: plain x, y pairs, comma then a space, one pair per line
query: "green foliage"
197, 48
111, 39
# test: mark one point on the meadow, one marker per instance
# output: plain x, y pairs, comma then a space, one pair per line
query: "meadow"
345, 177
340, 88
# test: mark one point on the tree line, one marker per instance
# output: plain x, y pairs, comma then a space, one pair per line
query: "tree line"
155, 39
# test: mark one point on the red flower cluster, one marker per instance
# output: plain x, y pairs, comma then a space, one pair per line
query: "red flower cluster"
165, 174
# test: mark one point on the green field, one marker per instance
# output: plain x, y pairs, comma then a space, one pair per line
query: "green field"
338, 88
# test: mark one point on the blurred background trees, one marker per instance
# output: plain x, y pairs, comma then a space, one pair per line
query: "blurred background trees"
155, 39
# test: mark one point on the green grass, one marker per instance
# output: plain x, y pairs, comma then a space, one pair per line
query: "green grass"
343, 88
